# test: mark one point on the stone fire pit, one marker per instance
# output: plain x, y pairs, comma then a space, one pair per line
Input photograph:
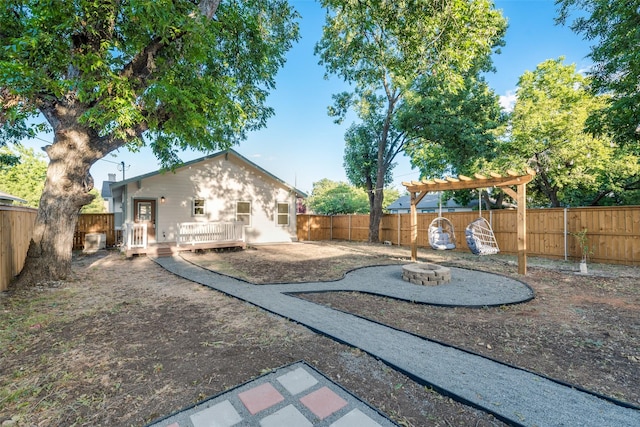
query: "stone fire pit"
426, 274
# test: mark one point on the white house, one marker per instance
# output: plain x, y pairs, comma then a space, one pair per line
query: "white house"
218, 200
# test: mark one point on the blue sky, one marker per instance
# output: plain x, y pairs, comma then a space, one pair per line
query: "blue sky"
302, 145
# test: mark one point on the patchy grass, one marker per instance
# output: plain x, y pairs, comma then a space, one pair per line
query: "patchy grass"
126, 342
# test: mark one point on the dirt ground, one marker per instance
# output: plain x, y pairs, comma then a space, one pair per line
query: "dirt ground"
125, 342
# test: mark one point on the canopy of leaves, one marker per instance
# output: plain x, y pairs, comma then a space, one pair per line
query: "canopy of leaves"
361, 154
614, 27
336, 198
180, 72
389, 44
548, 135
24, 179
453, 129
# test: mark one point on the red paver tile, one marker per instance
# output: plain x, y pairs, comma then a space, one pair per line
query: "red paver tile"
323, 402
174, 425
259, 398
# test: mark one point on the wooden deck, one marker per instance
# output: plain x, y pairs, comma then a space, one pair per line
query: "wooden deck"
171, 249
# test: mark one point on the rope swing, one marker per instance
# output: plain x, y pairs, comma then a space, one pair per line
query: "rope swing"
441, 233
479, 234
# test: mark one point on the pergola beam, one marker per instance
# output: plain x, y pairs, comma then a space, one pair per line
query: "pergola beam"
464, 183
419, 189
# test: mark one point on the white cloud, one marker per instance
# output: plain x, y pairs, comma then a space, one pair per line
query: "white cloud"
508, 100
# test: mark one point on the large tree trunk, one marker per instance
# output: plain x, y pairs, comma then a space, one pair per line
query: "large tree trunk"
375, 216
66, 190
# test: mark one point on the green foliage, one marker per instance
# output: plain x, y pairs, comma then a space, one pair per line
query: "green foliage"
361, 154
24, 179
96, 205
155, 68
383, 49
583, 241
8, 160
614, 27
453, 129
337, 198
547, 134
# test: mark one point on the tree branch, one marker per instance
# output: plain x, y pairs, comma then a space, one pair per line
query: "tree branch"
208, 8
142, 65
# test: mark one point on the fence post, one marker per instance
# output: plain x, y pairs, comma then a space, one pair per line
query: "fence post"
398, 228
566, 249
308, 227
331, 228
349, 227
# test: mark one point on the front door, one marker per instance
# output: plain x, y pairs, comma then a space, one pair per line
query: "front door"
145, 212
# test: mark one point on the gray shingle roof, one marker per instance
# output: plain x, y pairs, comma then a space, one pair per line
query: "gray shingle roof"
430, 201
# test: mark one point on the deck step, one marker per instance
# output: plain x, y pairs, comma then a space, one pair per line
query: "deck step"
164, 251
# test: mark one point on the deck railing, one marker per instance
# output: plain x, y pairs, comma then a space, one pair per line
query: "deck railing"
192, 233
135, 235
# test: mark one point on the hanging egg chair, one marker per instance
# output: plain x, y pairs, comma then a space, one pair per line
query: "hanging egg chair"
441, 233
480, 237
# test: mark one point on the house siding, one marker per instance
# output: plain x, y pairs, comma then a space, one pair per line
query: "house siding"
221, 181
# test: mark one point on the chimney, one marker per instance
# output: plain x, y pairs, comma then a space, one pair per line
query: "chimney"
112, 177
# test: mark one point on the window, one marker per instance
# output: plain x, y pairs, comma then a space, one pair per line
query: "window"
144, 211
198, 207
243, 212
283, 214
428, 211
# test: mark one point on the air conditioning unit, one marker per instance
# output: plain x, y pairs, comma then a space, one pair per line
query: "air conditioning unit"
94, 242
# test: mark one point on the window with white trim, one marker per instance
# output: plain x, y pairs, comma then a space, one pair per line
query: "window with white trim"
243, 212
198, 207
282, 214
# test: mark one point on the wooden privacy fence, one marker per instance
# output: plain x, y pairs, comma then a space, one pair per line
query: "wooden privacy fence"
102, 223
613, 233
16, 229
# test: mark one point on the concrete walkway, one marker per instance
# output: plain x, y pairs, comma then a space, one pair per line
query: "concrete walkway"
513, 395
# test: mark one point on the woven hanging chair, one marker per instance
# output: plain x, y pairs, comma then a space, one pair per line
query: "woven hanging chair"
441, 234
480, 238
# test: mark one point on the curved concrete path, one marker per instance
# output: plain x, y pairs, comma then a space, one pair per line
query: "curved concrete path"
513, 395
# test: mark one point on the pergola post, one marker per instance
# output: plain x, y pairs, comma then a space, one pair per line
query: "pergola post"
414, 226
522, 228
520, 196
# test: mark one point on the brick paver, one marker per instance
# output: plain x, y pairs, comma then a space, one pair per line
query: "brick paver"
293, 396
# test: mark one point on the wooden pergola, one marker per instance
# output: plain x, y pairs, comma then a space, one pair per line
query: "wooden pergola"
419, 189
